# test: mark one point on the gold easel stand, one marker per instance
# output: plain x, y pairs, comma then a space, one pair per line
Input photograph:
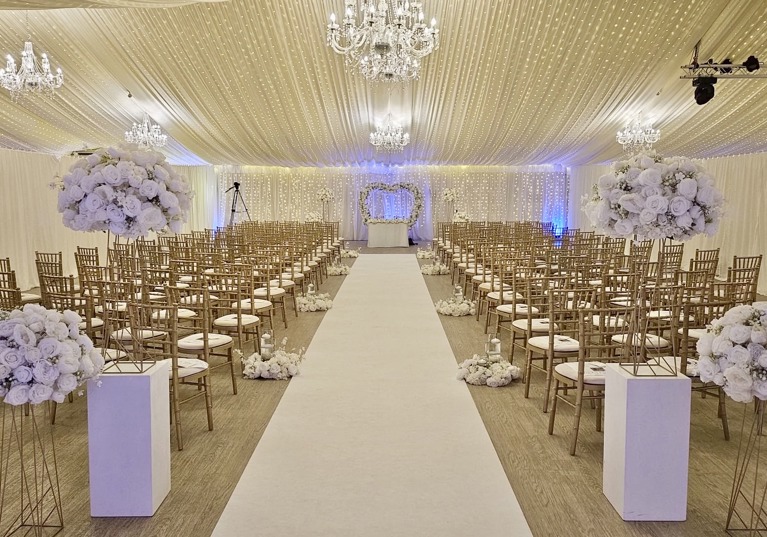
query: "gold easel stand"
30, 499
746, 514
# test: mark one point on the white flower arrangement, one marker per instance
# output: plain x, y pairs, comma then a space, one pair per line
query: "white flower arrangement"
461, 216
338, 269
44, 356
450, 195
484, 371
126, 191
456, 308
655, 198
426, 253
313, 216
436, 269
350, 253
280, 365
318, 302
733, 353
325, 195
410, 187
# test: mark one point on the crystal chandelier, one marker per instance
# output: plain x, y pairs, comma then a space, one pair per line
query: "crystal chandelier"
146, 134
32, 77
388, 42
638, 135
389, 136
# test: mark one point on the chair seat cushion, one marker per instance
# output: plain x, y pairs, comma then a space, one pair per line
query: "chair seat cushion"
507, 295
287, 276
273, 291
188, 367
285, 283
659, 314
520, 309
196, 342
113, 307
537, 325
494, 286
231, 320
652, 340
95, 323
30, 297
182, 313
561, 343
593, 372
258, 304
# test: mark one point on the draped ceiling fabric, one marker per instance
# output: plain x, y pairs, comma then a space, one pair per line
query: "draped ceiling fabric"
248, 82
60, 4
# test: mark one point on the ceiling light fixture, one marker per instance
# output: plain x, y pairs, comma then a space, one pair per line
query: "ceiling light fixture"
146, 134
638, 135
388, 42
389, 136
705, 75
32, 76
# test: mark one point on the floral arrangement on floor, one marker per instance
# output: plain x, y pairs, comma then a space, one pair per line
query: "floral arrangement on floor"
338, 269
456, 307
280, 365
325, 195
387, 221
485, 371
450, 195
655, 198
733, 353
415, 212
351, 253
44, 356
461, 216
313, 216
426, 253
435, 269
126, 191
316, 302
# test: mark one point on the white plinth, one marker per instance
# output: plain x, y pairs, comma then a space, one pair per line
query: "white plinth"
387, 235
129, 442
647, 440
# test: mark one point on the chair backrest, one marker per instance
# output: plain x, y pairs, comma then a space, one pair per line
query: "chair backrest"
707, 255
749, 276
5, 264
49, 257
10, 299
8, 280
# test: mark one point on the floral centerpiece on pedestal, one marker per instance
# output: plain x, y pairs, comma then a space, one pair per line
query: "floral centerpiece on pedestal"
652, 197
325, 195
733, 353
450, 195
461, 216
44, 356
126, 191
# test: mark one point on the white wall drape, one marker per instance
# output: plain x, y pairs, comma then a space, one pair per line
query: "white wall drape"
486, 193
743, 230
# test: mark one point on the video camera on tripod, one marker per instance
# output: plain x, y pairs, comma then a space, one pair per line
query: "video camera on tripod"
237, 196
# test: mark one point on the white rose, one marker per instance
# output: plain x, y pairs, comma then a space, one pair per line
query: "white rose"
658, 204
39, 393
760, 389
699, 224
647, 216
93, 202
112, 176
738, 384
762, 360
12, 358
58, 397
69, 363
161, 174
739, 355
688, 188
168, 199
149, 189
739, 333
705, 196
114, 213
131, 206
653, 190
97, 359
721, 345
606, 182
684, 221
45, 372
758, 335
125, 169
679, 205
631, 202
66, 383
144, 158
22, 374
116, 152
624, 227
177, 226
650, 177
17, 395
93, 159
88, 183
707, 369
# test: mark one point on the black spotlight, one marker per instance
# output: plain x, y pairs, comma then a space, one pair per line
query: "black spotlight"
704, 89
751, 64
725, 70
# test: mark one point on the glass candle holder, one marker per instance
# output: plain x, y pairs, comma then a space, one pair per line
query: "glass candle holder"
310, 290
493, 347
266, 346
458, 293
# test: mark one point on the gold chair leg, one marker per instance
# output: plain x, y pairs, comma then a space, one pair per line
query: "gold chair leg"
576, 421
208, 402
553, 413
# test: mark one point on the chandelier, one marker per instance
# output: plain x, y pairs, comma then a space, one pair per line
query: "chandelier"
389, 136
638, 135
146, 134
32, 77
388, 42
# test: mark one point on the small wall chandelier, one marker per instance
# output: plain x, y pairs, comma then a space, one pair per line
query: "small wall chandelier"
388, 42
146, 134
638, 135
32, 76
389, 136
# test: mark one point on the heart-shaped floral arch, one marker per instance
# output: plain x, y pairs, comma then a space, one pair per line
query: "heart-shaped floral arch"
410, 187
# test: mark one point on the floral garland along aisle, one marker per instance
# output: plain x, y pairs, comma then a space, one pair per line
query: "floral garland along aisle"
456, 307
487, 371
652, 197
733, 355
276, 365
415, 212
126, 191
314, 302
435, 269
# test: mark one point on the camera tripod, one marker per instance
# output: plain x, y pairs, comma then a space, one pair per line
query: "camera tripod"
237, 196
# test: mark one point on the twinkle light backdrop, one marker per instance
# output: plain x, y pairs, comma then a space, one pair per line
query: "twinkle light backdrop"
486, 193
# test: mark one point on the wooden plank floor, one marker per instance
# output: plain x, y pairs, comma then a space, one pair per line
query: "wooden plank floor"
559, 494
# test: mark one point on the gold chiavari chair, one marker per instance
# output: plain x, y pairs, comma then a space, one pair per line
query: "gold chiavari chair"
10, 299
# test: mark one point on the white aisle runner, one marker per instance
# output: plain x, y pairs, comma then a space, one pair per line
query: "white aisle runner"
376, 437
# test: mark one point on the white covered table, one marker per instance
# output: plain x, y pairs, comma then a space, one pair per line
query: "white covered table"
387, 235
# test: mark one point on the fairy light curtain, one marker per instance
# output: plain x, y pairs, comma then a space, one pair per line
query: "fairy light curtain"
486, 193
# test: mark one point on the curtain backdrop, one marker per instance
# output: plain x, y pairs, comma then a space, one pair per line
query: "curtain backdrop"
743, 230
486, 193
